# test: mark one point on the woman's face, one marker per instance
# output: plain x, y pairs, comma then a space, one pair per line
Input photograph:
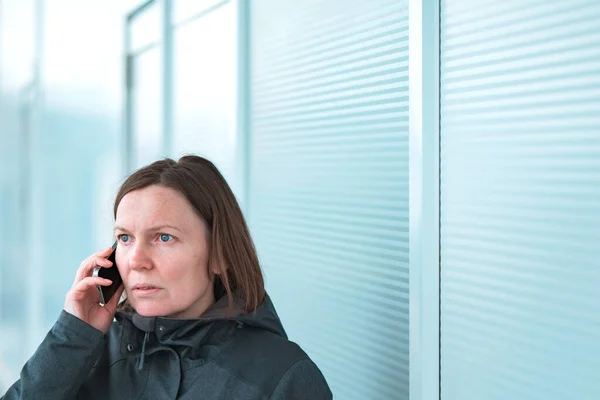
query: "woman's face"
162, 254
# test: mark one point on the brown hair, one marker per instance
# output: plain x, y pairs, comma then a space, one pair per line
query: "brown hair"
232, 250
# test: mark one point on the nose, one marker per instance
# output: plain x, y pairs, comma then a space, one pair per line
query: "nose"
139, 257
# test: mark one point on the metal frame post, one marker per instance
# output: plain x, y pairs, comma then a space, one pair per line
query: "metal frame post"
424, 190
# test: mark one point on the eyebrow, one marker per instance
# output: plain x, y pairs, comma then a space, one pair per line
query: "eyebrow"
151, 229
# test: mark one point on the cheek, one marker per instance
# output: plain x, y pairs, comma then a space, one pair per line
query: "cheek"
187, 271
121, 266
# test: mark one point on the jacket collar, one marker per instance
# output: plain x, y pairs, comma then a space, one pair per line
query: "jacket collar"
201, 336
191, 331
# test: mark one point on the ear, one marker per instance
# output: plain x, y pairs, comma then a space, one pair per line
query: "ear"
213, 269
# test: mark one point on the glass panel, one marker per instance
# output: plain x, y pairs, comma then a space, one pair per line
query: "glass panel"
519, 190
15, 260
17, 55
328, 195
205, 89
74, 157
184, 9
146, 27
148, 106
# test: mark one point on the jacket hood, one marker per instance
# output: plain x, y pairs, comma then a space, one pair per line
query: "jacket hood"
190, 332
264, 317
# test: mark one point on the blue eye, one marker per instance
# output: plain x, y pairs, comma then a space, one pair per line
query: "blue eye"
165, 238
124, 238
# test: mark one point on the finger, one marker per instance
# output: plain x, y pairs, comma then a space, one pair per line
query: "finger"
82, 287
102, 262
88, 265
79, 275
104, 252
99, 254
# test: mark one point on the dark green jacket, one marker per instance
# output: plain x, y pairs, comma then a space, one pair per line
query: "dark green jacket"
244, 357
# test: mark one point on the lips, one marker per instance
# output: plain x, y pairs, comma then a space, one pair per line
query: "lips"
144, 286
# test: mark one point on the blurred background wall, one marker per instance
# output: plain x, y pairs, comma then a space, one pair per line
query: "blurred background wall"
455, 142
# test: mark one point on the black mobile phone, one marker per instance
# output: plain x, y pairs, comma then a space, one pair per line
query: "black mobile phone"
112, 273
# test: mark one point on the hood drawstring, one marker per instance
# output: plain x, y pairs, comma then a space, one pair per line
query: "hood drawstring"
147, 325
141, 362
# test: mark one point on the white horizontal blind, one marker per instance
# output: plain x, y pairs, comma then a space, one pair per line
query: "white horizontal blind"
328, 200
520, 200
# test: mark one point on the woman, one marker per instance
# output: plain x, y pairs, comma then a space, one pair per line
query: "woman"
196, 322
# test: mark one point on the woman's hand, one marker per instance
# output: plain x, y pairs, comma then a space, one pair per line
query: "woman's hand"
83, 301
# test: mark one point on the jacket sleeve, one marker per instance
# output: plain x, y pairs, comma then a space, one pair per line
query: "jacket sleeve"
303, 381
61, 364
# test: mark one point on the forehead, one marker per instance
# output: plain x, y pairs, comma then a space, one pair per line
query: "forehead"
155, 205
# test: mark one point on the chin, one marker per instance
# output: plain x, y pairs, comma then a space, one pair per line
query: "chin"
150, 310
